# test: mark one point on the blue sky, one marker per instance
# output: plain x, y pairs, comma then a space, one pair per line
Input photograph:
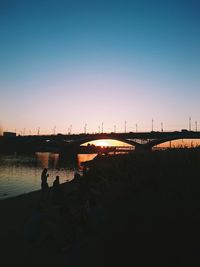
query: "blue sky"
68, 63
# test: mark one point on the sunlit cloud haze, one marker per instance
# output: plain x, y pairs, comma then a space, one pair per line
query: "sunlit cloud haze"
69, 63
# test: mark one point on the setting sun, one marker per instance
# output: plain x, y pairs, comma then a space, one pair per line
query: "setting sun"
102, 143
106, 142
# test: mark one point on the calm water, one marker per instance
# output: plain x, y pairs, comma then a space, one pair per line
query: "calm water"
21, 174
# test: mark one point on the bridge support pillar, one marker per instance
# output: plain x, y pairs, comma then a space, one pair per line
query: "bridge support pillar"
143, 148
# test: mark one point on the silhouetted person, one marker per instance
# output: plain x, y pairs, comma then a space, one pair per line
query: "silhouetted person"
56, 183
57, 193
44, 184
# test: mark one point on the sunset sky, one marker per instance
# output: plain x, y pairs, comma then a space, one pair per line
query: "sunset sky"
83, 62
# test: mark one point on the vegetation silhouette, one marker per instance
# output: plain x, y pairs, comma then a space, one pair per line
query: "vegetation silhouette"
136, 209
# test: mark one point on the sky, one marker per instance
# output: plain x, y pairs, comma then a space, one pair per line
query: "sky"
67, 64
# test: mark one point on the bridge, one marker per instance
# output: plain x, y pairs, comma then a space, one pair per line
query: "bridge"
140, 141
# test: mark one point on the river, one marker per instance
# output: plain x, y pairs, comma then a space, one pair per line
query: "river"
21, 174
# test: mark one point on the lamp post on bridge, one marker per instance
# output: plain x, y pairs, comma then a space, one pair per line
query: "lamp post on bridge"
152, 125
85, 128
196, 126
189, 123
69, 130
161, 127
125, 126
54, 130
136, 127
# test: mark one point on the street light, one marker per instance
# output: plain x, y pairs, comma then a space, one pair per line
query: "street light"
189, 123
85, 128
125, 126
102, 127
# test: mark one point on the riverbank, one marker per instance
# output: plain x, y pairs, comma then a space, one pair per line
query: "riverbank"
139, 208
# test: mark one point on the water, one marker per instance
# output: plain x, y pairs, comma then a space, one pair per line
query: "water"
21, 174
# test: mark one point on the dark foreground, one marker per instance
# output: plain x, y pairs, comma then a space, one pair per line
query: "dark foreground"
127, 210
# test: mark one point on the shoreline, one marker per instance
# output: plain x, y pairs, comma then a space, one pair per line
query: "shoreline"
15, 216
150, 206
28, 193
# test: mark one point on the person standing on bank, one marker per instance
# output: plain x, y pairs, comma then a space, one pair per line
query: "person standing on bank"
44, 184
57, 193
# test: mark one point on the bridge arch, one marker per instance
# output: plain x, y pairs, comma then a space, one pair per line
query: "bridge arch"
88, 139
168, 139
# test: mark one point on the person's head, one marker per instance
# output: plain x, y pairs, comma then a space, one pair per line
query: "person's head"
45, 170
57, 178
